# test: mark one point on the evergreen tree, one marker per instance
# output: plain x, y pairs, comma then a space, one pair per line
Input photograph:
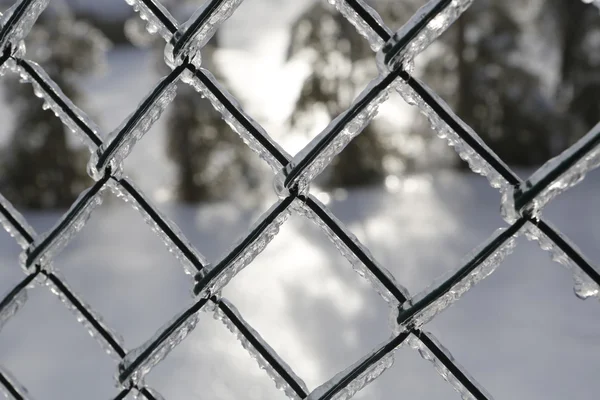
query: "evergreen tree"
40, 168
479, 69
341, 64
212, 161
573, 28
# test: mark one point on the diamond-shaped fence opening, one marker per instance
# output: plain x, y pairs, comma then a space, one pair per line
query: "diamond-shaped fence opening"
522, 200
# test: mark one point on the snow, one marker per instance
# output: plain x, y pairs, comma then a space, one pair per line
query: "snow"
522, 322
305, 301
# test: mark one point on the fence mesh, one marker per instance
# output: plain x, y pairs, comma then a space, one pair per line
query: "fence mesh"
522, 200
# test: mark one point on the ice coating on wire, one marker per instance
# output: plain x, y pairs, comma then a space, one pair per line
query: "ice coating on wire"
104, 344
13, 306
580, 158
371, 373
158, 352
358, 266
363, 28
197, 31
153, 23
584, 286
50, 92
70, 224
341, 139
485, 268
415, 343
13, 35
280, 383
233, 122
14, 384
14, 223
476, 162
407, 43
248, 253
125, 193
120, 142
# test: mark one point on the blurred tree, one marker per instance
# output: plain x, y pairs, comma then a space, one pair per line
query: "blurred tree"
40, 168
478, 68
574, 28
212, 161
341, 63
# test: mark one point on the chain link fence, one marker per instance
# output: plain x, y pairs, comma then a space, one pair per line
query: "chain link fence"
522, 200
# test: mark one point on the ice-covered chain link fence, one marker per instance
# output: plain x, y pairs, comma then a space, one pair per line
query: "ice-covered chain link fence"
293, 175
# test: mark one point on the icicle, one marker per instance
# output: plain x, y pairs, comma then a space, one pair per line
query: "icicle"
432, 30
359, 23
22, 392
363, 379
427, 355
83, 320
280, 383
203, 33
75, 219
245, 257
126, 195
444, 131
458, 289
349, 131
13, 307
132, 129
233, 122
12, 229
153, 23
357, 265
584, 286
161, 351
49, 102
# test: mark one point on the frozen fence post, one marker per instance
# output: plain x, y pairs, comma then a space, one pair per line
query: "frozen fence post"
522, 200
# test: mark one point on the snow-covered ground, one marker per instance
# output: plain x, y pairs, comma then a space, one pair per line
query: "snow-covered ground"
521, 333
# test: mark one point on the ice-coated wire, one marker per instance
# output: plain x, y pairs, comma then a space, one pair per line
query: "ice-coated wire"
10, 388
293, 176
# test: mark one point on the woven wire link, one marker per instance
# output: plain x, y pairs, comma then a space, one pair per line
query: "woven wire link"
522, 201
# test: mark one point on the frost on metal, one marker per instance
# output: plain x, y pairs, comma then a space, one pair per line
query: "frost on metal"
577, 160
363, 28
67, 227
415, 343
372, 372
419, 32
15, 386
197, 31
246, 250
153, 22
584, 286
235, 123
14, 223
302, 209
280, 383
368, 109
141, 360
127, 191
459, 286
61, 293
476, 162
54, 99
120, 142
16, 23
13, 306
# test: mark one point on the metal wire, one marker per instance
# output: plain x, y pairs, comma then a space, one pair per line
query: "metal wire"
209, 278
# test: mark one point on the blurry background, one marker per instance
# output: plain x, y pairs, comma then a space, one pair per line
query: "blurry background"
524, 74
